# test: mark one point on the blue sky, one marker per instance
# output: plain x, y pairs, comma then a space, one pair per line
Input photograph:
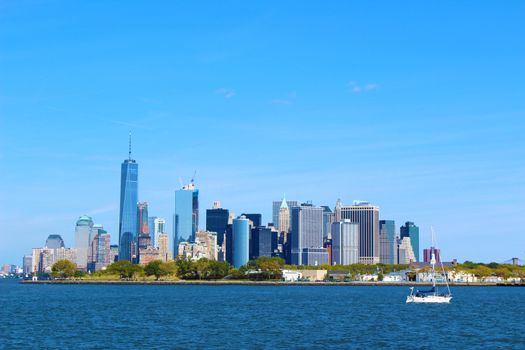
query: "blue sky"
417, 107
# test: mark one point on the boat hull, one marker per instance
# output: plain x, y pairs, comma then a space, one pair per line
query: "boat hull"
430, 299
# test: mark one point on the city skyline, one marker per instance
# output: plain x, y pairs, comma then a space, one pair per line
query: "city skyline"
354, 111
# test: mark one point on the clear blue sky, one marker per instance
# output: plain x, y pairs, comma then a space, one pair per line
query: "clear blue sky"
418, 107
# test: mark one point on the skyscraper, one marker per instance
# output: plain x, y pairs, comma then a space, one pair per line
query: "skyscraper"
164, 248
256, 219
151, 227
241, 241
328, 219
129, 173
156, 226
405, 252
276, 206
307, 236
345, 242
54, 242
387, 242
409, 229
100, 255
144, 245
217, 221
262, 242
83, 237
283, 222
186, 215
367, 216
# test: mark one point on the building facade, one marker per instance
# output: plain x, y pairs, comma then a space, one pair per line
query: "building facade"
240, 241
54, 242
186, 218
409, 229
276, 206
129, 173
405, 253
217, 221
262, 242
83, 238
345, 242
367, 216
306, 232
387, 242
428, 252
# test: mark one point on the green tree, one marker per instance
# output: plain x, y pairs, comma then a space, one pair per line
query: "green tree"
218, 270
156, 268
63, 269
185, 268
124, 269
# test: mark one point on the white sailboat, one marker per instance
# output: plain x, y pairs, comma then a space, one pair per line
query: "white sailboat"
432, 295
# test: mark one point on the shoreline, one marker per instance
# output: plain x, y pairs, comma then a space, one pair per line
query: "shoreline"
268, 283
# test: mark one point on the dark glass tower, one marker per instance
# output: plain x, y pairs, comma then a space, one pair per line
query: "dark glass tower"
128, 208
217, 221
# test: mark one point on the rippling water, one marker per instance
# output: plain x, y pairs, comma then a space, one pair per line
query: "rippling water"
255, 317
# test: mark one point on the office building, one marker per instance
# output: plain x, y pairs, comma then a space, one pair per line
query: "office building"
156, 227
240, 241
263, 242
54, 242
83, 237
306, 234
314, 256
427, 255
276, 206
186, 214
345, 242
129, 173
328, 219
405, 251
367, 216
387, 242
283, 223
256, 219
100, 250
164, 247
217, 221
412, 231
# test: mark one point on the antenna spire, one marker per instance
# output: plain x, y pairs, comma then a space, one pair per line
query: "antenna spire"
129, 145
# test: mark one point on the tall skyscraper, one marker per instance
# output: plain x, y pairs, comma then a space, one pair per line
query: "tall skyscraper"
129, 173
241, 241
262, 242
54, 242
345, 242
307, 236
328, 219
186, 215
283, 222
144, 245
409, 229
276, 206
367, 216
83, 237
387, 242
217, 221
151, 227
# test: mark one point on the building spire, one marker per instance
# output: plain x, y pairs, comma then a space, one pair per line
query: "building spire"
129, 145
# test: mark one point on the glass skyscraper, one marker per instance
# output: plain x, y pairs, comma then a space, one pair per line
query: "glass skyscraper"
241, 241
128, 208
217, 221
186, 218
387, 242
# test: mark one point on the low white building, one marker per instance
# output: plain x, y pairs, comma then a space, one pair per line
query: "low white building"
291, 275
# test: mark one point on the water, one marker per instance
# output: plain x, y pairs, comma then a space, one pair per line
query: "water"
255, 317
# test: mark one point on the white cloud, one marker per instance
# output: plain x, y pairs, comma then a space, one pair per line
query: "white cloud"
226, 92
357, 88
